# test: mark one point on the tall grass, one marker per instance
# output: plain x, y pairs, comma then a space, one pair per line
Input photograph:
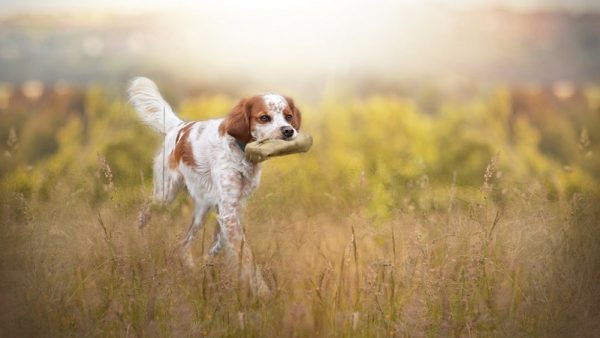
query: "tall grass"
528, 267
363, 236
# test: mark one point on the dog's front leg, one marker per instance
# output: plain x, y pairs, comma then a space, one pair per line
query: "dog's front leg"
238, 250
217, 243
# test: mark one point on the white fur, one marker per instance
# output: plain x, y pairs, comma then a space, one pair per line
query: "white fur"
150, 105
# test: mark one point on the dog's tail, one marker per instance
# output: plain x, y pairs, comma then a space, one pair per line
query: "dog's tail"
150, 106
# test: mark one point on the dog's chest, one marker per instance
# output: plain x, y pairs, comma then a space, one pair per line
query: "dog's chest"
226, 172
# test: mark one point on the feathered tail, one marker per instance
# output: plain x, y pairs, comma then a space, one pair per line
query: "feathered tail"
150, 106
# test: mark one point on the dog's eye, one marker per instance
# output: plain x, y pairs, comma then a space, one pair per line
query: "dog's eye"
289, 117
265, 118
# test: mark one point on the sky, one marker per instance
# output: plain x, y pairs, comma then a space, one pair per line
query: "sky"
8, 7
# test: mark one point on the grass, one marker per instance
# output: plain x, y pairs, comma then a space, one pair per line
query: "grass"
525, 267
396, 229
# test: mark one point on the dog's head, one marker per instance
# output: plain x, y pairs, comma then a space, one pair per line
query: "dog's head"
260, 117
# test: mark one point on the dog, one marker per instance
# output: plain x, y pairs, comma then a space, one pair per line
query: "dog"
207, 157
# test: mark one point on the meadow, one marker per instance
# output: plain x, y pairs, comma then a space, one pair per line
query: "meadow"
424, 213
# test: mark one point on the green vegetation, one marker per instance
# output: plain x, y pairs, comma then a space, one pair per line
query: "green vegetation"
410, 216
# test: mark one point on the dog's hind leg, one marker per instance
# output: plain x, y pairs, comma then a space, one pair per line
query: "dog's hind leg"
200, 213
167, 181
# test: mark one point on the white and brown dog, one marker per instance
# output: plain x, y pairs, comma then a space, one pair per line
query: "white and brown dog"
208, 158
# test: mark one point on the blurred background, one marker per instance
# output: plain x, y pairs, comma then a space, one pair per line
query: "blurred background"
301, 46
457, 142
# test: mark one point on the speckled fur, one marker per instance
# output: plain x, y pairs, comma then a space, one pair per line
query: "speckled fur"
216, 173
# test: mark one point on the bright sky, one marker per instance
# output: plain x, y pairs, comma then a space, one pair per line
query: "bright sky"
330, 38
12, 6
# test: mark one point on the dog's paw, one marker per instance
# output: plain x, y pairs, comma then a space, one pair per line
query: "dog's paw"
262, 290
144, 216
260, 287
187, 259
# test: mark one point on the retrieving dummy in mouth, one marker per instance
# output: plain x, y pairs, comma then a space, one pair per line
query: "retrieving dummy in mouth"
259, 151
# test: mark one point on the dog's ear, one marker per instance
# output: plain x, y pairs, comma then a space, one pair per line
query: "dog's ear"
237, 122
297, 116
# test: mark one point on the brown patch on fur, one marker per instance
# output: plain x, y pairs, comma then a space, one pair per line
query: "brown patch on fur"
295, 112
240, 121
183, 148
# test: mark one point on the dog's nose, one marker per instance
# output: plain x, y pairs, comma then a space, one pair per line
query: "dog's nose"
287, 131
